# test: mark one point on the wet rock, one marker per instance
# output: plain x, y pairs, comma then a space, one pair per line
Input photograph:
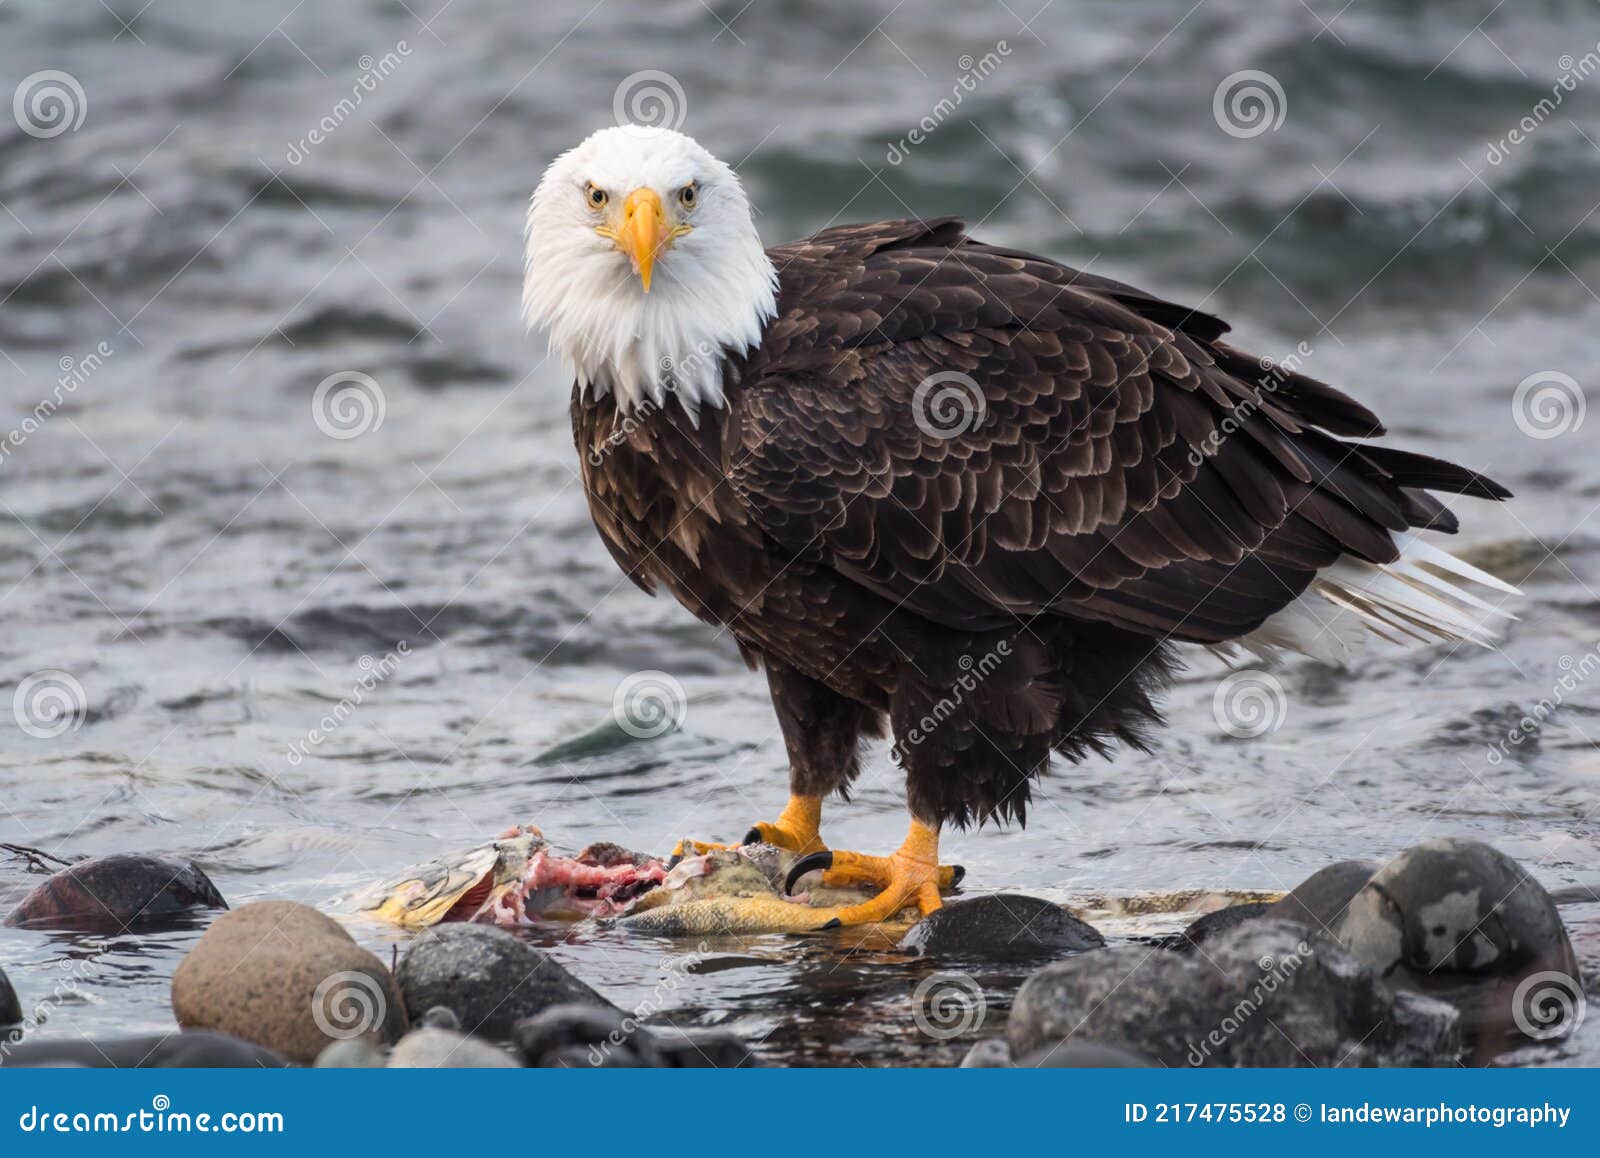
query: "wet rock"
1001, 925
153, 1051
1268, 993
1079, 1055
1459, 906
118, 892
487, 978
446, 1049
287, 977
585, 1036
1214, 924
439, 1018
353, 1054
993, 1054
10, 1007
1321, 899
702, 1049
1461, 920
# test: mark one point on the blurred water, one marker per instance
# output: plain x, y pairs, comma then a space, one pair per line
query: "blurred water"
184, 541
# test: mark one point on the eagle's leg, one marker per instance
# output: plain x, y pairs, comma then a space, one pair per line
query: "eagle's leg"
822, 732
910, 875
798, 827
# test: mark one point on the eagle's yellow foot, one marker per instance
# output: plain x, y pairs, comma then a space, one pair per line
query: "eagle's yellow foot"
910, 875
796, 829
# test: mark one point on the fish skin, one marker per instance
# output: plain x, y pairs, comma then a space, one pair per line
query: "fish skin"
735, 891
423, 897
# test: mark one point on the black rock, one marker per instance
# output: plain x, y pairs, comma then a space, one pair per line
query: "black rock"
1080, 1055
703, 1049
1001, 925
487, 978
177, 1050
1268, 993
1214, 924
10, 1007
118, 892
574, 1036
1459, 919
1322, 898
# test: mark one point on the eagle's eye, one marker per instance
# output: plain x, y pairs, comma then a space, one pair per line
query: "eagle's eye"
688, 195
596, 196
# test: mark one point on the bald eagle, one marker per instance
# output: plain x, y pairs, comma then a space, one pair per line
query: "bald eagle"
953, 488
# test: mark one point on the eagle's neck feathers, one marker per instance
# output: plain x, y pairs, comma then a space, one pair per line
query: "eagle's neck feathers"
709, 302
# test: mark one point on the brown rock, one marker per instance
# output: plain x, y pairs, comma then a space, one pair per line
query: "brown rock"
287, 977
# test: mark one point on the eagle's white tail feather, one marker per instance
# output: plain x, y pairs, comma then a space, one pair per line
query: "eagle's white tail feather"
1401, 602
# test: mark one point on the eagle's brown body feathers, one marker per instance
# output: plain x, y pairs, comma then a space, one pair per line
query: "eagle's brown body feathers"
1019, 583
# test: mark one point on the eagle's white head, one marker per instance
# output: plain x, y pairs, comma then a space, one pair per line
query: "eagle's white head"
644, 265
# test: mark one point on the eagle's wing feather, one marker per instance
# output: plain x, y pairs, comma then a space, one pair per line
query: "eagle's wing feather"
1097, 452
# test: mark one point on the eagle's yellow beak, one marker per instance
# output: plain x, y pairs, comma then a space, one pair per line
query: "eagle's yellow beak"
644, 232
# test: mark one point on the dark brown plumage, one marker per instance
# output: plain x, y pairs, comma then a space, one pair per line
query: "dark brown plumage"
1099, 511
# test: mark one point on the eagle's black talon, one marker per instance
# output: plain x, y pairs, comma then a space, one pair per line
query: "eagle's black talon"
752, 837
815, 860
836, 923
957, 872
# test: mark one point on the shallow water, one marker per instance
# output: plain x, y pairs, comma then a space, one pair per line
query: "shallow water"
183, 540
